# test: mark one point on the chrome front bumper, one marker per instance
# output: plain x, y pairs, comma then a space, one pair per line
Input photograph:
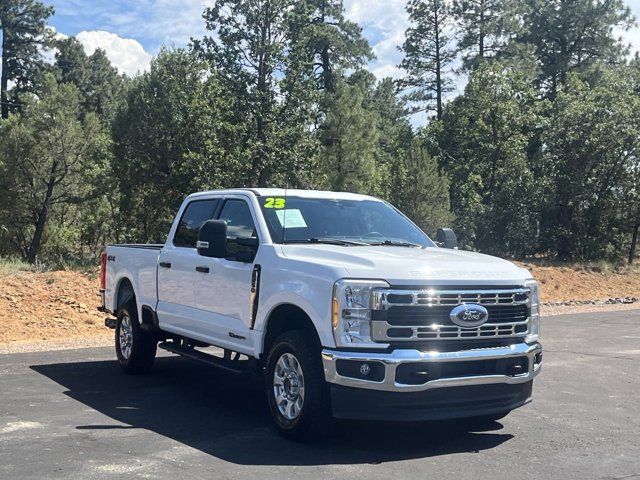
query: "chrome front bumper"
392, 360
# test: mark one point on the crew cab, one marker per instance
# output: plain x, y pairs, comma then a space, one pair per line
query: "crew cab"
343, 305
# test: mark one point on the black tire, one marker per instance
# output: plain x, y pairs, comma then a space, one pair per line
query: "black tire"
314, 418
138, 358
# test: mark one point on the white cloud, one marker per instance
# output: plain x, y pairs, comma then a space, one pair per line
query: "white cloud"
384, 23
126, 54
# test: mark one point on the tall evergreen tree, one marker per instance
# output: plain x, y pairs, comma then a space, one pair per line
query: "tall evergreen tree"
429, 53
333, 42
572, 36
349, 139
252, 51
425, 189
24, 33
484, 26
95, 77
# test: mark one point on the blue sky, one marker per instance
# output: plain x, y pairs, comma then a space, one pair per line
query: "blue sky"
131, 31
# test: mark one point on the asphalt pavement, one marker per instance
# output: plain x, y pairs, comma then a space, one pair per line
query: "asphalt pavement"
74, 415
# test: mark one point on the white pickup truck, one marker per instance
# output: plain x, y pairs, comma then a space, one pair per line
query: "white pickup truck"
343, 304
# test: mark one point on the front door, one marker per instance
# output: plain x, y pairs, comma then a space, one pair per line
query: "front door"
223, 285
177, 269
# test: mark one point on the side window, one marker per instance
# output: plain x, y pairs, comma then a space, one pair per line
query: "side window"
196, 213
239, 220
239, 225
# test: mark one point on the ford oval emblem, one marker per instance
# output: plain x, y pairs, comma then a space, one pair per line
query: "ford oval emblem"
469, 315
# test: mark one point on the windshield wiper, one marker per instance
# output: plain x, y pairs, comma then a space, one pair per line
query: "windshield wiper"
328, 241
395, 243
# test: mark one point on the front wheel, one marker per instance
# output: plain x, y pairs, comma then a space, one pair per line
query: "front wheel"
296, 390
136, 349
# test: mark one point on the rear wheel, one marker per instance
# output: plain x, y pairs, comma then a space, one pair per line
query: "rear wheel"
135, 348
296, 390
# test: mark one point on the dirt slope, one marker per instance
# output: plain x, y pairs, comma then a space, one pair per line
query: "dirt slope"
42, 306
559, 284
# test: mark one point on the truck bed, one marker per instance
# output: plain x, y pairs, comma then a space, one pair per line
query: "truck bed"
139, 264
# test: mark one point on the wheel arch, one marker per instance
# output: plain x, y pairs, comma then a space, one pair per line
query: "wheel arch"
124, 293
283, 318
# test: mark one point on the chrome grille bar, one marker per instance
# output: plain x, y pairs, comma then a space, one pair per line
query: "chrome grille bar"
384, 298
383, 332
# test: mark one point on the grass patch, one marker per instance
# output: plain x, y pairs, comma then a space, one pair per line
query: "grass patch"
13, 266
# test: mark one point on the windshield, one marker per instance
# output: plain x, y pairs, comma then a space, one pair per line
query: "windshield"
339, 221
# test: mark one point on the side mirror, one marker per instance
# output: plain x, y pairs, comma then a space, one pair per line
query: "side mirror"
212, 239
446, 238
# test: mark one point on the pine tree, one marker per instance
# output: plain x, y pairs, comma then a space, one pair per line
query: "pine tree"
252, 50
428, 54
424, 196
483, 28
329, 39
572, 36
24, 33
95, 77
349, 138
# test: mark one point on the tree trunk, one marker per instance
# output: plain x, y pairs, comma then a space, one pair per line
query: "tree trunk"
327, 73
34, 246
481, 33
4, 81
438, 67
634, 238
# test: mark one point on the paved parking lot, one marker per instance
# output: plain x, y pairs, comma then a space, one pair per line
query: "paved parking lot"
74, 415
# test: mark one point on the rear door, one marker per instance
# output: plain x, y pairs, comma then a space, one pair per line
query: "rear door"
223, 288
177, 268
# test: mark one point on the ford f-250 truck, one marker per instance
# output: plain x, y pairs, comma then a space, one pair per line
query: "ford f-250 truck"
343, 304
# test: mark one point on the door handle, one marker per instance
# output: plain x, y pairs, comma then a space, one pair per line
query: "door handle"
165, 264
202, 269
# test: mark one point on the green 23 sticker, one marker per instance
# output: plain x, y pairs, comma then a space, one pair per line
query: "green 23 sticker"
271, 202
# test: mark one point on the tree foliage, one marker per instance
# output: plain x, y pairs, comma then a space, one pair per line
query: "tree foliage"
167, 143
429, 53
571, 36
50, 159
24, 33
536, 156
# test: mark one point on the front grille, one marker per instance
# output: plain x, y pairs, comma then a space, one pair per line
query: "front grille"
417, 315
439, 314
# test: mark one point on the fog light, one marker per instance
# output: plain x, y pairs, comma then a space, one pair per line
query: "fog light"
365, 369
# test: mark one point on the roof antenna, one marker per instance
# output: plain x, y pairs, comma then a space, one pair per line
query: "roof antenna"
284, 211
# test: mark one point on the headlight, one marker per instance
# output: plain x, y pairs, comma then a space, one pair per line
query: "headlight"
534, 303
351, 311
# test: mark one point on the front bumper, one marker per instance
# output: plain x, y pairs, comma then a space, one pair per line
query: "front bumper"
458, 387
392, 361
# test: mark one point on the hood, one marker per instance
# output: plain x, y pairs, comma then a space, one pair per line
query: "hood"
412, 266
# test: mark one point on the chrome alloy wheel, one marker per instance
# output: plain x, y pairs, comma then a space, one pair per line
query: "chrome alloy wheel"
288, 386
126, 337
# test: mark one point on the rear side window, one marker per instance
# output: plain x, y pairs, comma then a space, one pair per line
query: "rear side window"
194, 216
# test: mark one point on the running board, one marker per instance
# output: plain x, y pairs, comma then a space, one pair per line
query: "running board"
221, 363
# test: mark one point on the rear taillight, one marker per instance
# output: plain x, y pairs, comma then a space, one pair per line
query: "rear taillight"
103, 270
